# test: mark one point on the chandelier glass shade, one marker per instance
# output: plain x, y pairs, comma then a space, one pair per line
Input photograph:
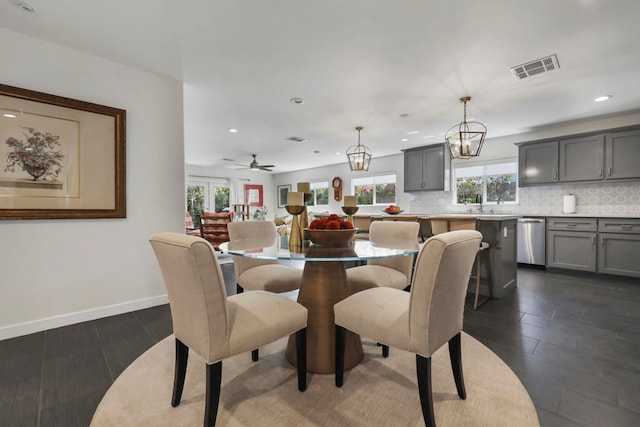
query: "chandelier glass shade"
359, 155
465, 139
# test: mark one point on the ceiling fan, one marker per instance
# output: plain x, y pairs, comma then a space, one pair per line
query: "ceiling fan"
255, 166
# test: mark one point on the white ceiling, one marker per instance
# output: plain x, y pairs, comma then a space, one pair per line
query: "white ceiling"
355, 62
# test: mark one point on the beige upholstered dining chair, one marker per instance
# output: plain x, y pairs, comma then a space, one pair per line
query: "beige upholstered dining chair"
419, 321
253, 274
260, 274
444, 224
392, 272
363, 224
213, 325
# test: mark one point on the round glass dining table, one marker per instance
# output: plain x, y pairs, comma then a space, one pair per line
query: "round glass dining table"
324, 283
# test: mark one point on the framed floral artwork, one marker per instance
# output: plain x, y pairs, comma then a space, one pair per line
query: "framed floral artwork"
283, 190
253, 195
60, 157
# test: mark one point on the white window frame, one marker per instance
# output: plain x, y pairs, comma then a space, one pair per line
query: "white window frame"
316, 186
386, 178
210, 184
484, 170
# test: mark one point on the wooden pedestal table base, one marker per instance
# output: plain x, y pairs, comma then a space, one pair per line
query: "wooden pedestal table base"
324, 283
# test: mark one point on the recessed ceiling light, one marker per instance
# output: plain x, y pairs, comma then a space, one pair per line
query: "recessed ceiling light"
10, 116
297, 101
413, 132
338, 154
233, 130
26, 6
404, 115
603, 98
428, 136
404, 139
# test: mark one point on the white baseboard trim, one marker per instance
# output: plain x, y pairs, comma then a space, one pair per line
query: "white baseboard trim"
26, 328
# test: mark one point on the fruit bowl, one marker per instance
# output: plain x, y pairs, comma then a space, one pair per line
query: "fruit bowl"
393, 212
330, 237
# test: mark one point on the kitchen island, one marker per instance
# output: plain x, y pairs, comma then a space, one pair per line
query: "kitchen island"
499, 275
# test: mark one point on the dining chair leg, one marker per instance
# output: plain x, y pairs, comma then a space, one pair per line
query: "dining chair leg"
475, 300
182, 356
455, 355
214, 379
255, 355
301, 358
340, 338
385, 350
423, 370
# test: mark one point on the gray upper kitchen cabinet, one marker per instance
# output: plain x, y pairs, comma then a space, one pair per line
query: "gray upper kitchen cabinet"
538, 163
623, 155
427, 168
582, 159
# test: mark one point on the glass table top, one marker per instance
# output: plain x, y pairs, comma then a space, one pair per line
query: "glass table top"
279, 249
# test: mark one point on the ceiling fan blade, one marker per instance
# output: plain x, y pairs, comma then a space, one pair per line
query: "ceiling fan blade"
267, 166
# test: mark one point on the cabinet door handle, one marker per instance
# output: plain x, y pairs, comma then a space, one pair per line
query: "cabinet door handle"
571, 225
626, 226
593, 240
555, 173
602, 241
609, 171
600, 172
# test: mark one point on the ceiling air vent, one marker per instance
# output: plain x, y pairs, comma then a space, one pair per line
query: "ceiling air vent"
542, 65
297, 139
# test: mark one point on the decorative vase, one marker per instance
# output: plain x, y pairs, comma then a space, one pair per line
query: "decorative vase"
36, 171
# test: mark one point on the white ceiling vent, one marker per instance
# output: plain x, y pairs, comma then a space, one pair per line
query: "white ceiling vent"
296, 139
542, 65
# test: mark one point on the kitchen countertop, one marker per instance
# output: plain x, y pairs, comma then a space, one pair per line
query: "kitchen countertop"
505, 217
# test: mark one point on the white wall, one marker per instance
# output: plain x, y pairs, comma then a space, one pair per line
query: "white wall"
379, 166
58, 272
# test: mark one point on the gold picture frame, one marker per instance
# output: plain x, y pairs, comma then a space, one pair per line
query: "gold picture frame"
60, 157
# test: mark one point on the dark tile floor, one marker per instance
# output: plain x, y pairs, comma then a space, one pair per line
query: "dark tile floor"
572, 339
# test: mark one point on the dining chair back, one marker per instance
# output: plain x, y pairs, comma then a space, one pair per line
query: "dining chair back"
392, 272
419, 321
213, 227
213, 325
445, 224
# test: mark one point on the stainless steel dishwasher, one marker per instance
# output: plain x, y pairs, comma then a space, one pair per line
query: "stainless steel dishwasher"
532, 241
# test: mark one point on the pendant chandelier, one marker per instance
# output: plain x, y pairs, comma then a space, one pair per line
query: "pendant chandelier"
465, 139
359, 156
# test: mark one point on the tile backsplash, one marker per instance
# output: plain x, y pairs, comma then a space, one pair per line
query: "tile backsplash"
619, 198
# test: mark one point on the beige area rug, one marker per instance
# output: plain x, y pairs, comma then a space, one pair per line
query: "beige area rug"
377, 392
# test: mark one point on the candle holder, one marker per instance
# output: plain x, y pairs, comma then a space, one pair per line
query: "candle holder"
350, 211
295, 237
304, 216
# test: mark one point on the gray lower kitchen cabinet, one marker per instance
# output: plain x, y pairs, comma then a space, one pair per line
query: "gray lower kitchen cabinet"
623, 155
619, 251
501, 235
581, 159
427, 168
538, 163
571, 243
619, 254
604, 245
575, 250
